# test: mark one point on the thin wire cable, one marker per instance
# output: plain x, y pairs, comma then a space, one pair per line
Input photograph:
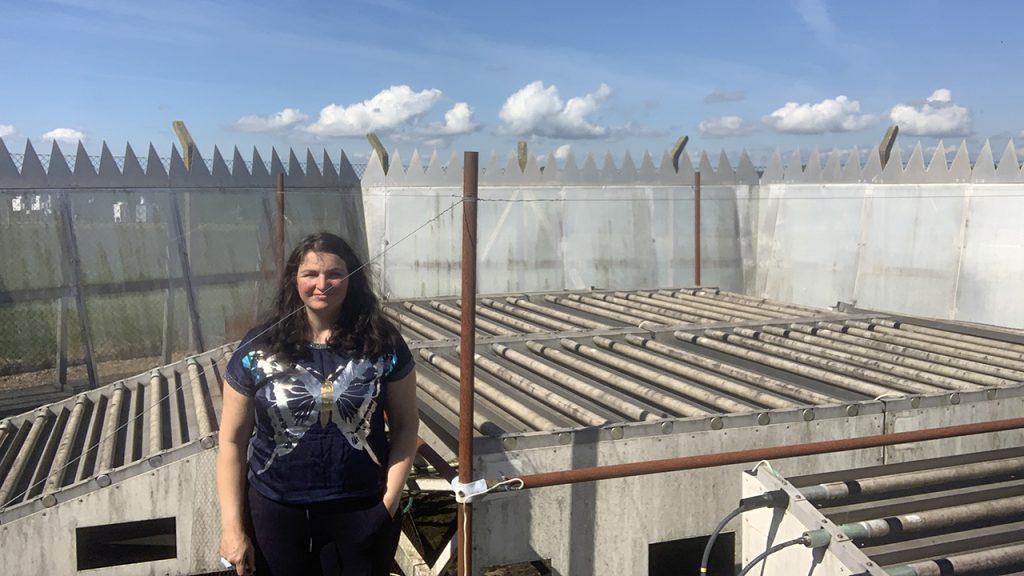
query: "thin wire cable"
180, 386
757, 559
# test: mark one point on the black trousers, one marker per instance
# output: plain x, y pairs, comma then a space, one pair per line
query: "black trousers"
339, 538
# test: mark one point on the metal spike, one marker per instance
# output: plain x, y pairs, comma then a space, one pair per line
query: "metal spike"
493, 173
773, 172
937, 170
609, 171
132, 173
570, 173
985, 165
328, 172
724, 174
914, 172
85, 172
531, 172
589, 174
397, 174
851, 171
872, 171
434, 175
296, 175
259, 168
1008, 169
628, 170
276, 166
346, 173
812, 172
108, 169
239, 171
686, 170
177, 172
220, 170
647, 174
32, 172
8, 169
513, 174
453, 174
314, 177
374, 174
833, 167
199, 173
59, 174
746, 173
960, 169
550, 172
155, 171
794, 171
892, 173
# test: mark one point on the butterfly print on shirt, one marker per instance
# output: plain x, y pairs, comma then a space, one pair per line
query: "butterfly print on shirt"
297, 399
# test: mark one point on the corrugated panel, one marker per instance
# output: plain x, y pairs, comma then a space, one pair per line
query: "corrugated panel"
917, 517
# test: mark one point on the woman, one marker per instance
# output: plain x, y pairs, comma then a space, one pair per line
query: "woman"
319, 490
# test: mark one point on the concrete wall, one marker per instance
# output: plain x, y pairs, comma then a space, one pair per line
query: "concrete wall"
606, 527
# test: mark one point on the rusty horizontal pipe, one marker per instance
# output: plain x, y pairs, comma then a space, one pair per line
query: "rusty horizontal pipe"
63, 458
950, 335
661, 314
406, 321
628, 319
155, 394
757, 454
516, 308
921, 340
517, 323
541, 393
204, 419
456, 312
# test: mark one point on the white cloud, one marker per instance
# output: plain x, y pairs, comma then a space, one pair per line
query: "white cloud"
937, 116
725, 126
457, 121
284, 119
562, 152
7, 130
386, 111
839, 114
540, 111
65, 135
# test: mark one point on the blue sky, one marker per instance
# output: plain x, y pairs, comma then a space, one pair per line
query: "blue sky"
459, 75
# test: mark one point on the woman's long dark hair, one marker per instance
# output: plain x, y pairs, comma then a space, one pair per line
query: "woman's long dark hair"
360, 329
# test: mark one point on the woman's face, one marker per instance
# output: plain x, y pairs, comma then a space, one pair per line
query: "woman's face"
322, 281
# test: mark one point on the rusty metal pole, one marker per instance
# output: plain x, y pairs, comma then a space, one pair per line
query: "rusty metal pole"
696, 228
467, 350
757, 454
279, 228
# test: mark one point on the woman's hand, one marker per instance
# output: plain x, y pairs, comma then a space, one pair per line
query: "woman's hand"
392, 503
237, 549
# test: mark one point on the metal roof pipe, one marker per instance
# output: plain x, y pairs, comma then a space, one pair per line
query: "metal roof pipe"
682, 387
936, 518
614, 403
850, 343
594, 473
717, 383
859, 386
631, 305
986, 561
752, 311
454, 312
406, 321
894, 336
631, 387
431, 386
920, 375
788, 309
155, 391
893, 383
438, 319
696, 305
597, 306
751, 377
575, 319
67, 441
520, 310
944, 354
705, 311
204, 420
912, 480
111, 425
516, 323
950, 335
628, 319
1016, 357
506, 402
21, 460
540, 393
646, 298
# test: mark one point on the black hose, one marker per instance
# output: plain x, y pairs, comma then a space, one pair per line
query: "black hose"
757, 559
714, 536
774, 499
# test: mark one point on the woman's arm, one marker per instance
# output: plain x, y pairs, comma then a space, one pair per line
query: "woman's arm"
236, 426
403, 423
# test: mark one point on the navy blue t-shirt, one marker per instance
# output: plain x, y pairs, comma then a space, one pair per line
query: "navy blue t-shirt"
319, 421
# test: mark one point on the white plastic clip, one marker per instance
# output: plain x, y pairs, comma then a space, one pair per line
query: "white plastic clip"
467, 492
